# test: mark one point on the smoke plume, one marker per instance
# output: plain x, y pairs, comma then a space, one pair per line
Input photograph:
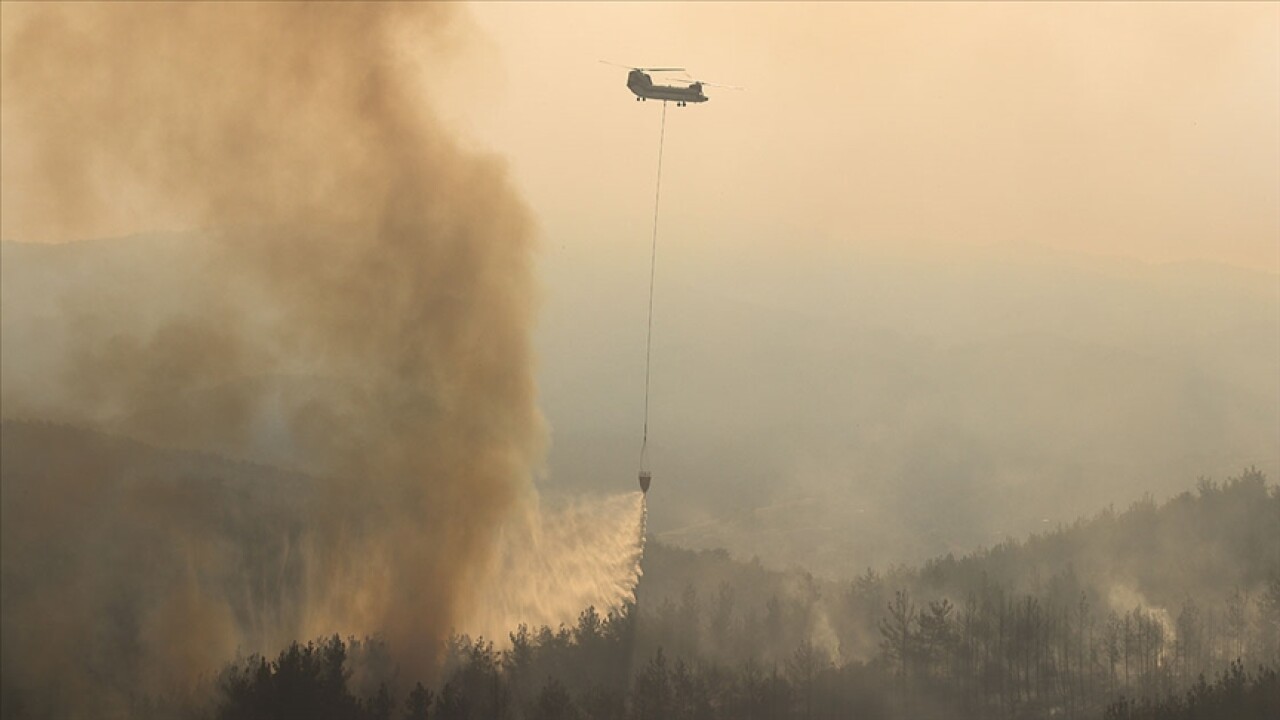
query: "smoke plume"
360, 309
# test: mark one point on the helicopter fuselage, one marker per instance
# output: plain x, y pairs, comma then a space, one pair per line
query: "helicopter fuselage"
643, 86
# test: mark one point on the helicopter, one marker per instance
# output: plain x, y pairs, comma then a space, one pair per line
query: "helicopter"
640, 83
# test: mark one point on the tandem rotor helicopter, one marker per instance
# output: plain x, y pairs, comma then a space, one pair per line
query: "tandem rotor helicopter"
640, 83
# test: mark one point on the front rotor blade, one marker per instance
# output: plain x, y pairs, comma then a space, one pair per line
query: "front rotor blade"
721, 85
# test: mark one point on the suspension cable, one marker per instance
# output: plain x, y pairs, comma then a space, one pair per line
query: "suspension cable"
653, 263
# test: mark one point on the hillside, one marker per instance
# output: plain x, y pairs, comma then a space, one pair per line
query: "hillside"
79, 507
1141, 604
1083, 621
833, 411
115, 528
1205, 549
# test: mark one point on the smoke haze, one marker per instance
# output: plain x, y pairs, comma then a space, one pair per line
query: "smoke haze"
941, 276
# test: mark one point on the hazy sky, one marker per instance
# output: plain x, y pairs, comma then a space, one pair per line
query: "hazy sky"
1143, 130
928, 130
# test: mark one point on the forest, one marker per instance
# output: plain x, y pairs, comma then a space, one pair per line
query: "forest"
1086, 621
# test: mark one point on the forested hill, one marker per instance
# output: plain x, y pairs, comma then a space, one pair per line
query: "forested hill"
1209, 542
1136, 603
1209, 547
1162, 610
96, 526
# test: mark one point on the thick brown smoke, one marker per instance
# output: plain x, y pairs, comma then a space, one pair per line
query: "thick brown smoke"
348, 243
